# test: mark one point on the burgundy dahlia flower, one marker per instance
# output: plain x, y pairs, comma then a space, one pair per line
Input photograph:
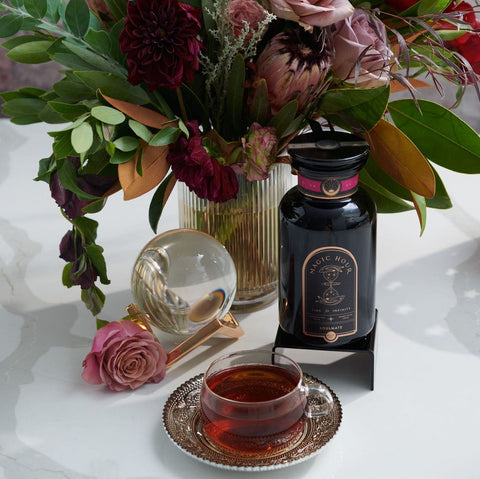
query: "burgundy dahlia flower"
160, 41
203, 174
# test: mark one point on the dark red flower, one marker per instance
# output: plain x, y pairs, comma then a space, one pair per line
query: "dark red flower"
70, 246
95, 185
160, 41
201, 173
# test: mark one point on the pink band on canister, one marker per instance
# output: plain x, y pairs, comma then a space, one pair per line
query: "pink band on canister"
316, 185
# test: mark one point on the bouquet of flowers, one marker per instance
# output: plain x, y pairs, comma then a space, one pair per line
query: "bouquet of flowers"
201, 91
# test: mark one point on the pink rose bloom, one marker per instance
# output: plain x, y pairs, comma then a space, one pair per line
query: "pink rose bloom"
243, 12
260, 152
312, 13
360, 40
124, 356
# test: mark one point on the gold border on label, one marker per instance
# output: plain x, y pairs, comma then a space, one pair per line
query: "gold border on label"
324, 336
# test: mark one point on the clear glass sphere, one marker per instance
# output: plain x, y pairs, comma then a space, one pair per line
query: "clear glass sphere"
183, 279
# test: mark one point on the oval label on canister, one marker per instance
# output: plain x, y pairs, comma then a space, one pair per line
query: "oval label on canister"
329, 291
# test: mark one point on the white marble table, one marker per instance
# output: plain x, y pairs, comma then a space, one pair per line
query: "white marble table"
421, 421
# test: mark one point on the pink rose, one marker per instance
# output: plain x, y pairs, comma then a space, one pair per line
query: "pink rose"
361, 51
312, 13
124, 356
245, 12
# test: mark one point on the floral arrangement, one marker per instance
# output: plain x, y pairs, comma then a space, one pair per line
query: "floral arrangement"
200, 91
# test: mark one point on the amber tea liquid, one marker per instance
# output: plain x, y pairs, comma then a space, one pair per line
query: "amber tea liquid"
235, 426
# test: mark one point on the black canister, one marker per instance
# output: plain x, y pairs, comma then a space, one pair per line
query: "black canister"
327, 243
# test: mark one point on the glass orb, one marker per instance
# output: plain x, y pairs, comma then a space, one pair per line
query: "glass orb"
183, 279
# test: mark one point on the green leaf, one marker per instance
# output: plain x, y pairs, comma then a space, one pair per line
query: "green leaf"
282, 120
88, 228
234, 97
72, 90
141, 130
114, 86
108, 115
66, 277
441, 200
48, 115
68, 111
356, 108
428, 7
62, 145
77, 17
94, 253
82, 137
67, 175
31, 52
114, 35
20, 39
439, 134
53, 14
10, 24
118, 8
165, 137
126, 143
99, 40
36, 8
23, 106
118, 157
158, 202
259, 107
93, 299
421, 208
100, 323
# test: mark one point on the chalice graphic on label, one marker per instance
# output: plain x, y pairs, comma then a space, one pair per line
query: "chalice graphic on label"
330, 296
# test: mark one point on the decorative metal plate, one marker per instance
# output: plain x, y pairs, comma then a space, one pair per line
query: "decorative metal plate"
181, 419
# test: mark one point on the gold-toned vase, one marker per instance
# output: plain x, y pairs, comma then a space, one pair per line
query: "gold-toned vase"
248, 227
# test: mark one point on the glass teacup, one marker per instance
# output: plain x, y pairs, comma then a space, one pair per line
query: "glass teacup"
256, 402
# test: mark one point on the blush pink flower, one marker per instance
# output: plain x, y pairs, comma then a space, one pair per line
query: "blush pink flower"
245, 12
312, 13
203, 174
361, 51
160, 41
124, 356
294, 64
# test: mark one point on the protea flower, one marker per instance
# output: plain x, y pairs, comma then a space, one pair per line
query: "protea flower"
160, 41
295, 64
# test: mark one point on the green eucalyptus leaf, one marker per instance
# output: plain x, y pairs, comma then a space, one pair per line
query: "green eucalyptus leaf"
31, 52
283, 119
126, 143
10, 24
439, 134
114, 86
99, 40
356, 108
82, 137
36, 8
94, 299
77, 17
140, 130
118, 157
108, 115
165, 137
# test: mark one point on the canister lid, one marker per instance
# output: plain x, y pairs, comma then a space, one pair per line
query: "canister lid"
328, 152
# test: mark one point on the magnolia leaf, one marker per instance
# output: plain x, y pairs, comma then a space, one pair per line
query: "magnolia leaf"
398, 156
386, 201
355, 108
77, 17
82, 137
140, 130
155, 167
159, 200
143, 115
31, 52
108, 115
10, 24
439, 134
421, 208
396, 86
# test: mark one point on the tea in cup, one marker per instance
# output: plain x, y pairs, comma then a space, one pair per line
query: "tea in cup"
256, 402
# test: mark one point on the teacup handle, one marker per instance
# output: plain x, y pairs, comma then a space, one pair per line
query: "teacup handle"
318, 408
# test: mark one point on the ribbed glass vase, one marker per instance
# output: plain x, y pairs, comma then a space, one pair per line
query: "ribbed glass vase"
248, 227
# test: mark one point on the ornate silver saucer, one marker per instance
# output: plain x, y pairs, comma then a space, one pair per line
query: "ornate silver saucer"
181, 419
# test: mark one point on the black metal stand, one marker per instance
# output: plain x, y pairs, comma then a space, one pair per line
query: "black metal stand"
364, 348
